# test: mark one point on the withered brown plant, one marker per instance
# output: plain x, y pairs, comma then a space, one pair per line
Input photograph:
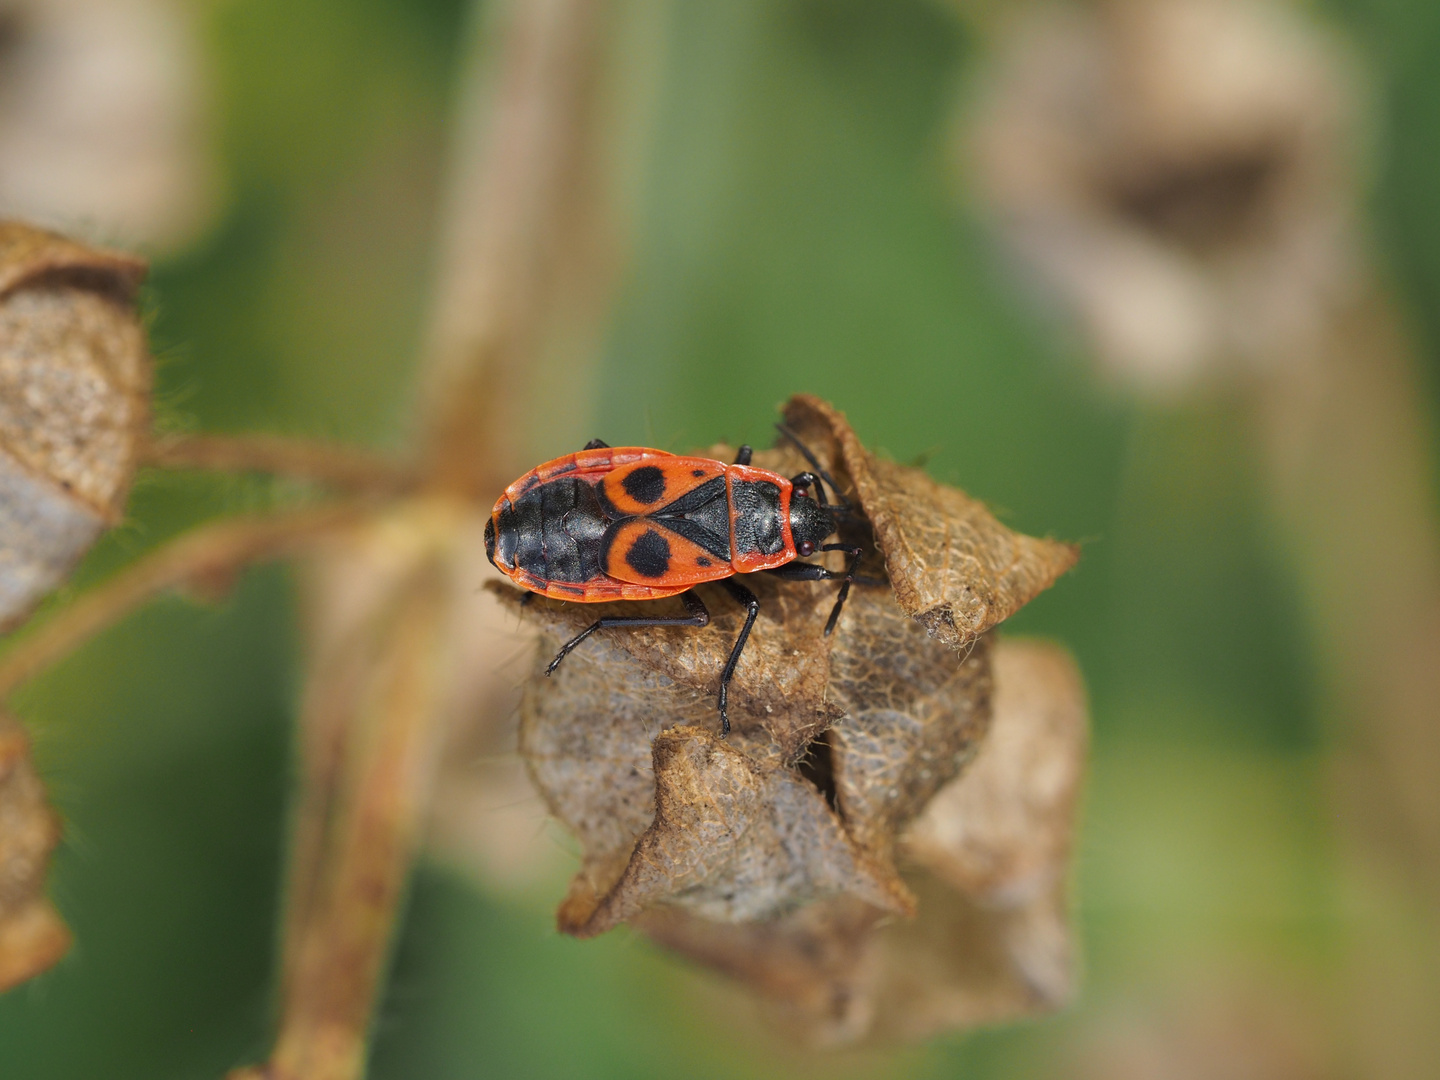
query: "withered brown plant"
1186, 179
838, 853
881, 847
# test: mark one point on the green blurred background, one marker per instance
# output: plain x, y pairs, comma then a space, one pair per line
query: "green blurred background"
798, 230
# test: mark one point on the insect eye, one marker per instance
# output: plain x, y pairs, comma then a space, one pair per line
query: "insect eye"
805, 547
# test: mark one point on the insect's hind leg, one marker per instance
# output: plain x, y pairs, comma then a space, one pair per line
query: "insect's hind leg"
695, 615
752, 609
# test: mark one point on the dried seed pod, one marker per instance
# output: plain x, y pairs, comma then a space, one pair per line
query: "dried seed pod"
74, 405
32, 937
773, 856
987, 862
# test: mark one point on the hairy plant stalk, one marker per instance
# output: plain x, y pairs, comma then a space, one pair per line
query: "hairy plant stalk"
343, 467
342, 933
368, 747
201, 559
1348, 451
518, 177
337, 674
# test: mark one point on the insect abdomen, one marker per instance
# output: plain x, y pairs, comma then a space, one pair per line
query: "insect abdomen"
553, 531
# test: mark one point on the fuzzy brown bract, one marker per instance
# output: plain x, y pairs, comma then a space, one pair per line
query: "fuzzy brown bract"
32, 937
827, 853
74, 405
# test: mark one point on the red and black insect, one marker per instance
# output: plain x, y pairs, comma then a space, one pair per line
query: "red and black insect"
629, 523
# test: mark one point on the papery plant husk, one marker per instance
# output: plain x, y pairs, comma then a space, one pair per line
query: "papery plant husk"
776, 854
74, 405
32, 935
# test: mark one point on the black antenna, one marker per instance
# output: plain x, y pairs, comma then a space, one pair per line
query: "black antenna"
844, 503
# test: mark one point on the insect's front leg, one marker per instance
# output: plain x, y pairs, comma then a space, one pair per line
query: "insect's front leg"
801, 571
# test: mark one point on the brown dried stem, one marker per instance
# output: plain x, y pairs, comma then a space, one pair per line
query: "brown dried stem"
202, 558
338, 466
1353, 491
512, 206
521, 145
343, 927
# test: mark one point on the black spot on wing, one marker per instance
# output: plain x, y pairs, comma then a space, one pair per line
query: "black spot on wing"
649, 555
697, 473
702, 561
645, 485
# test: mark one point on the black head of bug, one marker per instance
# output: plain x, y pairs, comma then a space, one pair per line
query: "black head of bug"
490, 541
810, 523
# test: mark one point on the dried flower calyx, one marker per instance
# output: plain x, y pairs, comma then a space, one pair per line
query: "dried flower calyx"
787, 839
32, 937
74, 405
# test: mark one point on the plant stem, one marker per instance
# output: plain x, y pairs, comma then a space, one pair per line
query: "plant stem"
209, 554
342, 929
336, 465
517, 189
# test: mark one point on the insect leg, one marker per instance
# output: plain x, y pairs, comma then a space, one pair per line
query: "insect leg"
695, 615
752, 605
855, 554
804, 571
742, 456
596, 444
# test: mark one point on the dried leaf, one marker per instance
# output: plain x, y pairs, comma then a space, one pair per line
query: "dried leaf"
32, 937
1001, 837
74, 387
736, 841
952, 564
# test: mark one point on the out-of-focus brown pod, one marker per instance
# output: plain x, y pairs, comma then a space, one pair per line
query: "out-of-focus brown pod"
103, 129
74, 405
32, 937
776, 856
1180, 175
